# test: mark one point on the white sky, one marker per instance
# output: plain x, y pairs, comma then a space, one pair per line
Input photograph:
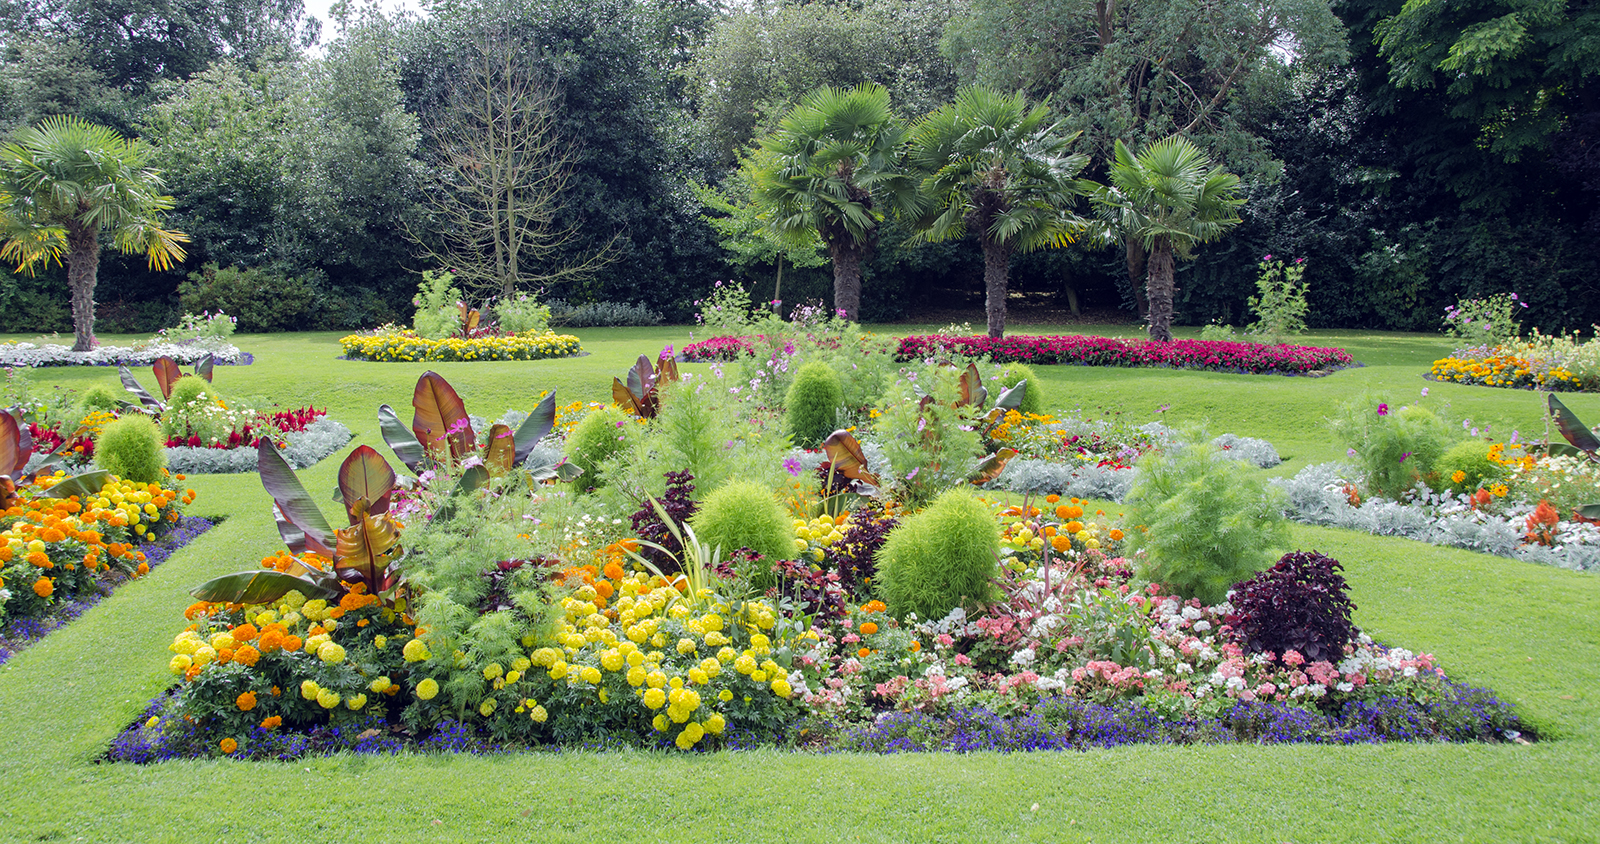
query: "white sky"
319, 9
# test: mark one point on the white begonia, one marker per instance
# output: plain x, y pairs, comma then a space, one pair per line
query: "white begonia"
1192, 613
1202, 625
1023, 658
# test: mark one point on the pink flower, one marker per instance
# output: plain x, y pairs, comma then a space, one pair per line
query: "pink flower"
1383, 410
1293, 657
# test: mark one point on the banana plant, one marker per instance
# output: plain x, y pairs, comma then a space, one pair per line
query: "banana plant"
641, 394
16, 449
167, 373
367, 551
1581, 442
441, 434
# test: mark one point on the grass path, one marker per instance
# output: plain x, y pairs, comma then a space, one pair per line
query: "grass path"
1532, 633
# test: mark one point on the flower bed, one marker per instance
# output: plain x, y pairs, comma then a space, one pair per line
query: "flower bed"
304, 447
58, 550
143, 354
1219, 356
18, 634
1497, 367
728, 349
406, 347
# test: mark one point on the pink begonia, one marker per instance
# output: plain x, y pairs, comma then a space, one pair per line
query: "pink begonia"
1293, 657
962, 660
1266, 690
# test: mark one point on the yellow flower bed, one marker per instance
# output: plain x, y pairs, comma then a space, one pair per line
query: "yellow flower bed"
1504, 370
407, 347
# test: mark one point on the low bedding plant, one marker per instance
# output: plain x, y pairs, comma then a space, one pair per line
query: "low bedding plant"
445, 328
203, 431
194, 338
1494, 354
503, 600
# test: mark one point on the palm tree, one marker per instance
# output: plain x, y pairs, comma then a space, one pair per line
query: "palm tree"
66, 182
1167, 199
831, 162
1000, 168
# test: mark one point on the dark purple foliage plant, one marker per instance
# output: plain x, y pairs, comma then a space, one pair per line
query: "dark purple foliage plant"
1300, 604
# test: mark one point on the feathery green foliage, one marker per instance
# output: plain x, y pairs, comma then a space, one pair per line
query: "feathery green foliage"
596, 438
743, 514
941, 558
1202, 521
1471, 459
812, 404
1395, 446
131, 447
1032, 395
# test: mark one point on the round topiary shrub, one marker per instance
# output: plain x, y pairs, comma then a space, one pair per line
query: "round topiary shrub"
596, 437
188, 388
812, 403
1466, 467
1301, 604
130, 448
744, 514
99, 397
1203, 522
941, 558
1032, 396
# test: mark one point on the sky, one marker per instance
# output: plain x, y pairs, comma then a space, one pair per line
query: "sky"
319, 8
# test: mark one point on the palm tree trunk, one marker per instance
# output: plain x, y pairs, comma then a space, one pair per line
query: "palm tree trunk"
1160, 288
996, 274
846, 279
1136, 276
83, 268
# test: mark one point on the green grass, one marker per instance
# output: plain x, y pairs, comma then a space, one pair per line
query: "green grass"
1527, 631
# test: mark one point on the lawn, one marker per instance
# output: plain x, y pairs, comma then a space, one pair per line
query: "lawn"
1527, 631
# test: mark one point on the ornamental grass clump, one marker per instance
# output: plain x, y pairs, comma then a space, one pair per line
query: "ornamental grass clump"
812, 404
131, 447
1299, 606
744, 514
1203, 522
941, 558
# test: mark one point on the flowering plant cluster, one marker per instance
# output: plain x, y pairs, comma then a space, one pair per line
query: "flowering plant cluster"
55, 548
1219, 356
726, 349
141, 354
1500, 367
407, 347
1489, 321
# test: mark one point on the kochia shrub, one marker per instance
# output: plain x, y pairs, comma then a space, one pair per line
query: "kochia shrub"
1033, 394
1203, 522
743, 514
941, 558
188, 388
1469, 458
100, 397
596, 437
1301, 604
812, 404
131, 447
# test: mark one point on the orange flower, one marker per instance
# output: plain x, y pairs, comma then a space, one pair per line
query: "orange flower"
272, 723
246, 701
868, 629
863, 652
246, 656
292, 643
1061, 543
1116, 535
143, 569
605, 589
228, 745
915, 646
271, 640
44, 587
614, 570
40, 559
1073, 527
224, 656
193, 672
1069, 511
52, 534
244, 633
1052, 498
874, 606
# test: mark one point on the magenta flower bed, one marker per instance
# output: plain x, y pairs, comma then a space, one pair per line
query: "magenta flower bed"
717, 348
1222, 356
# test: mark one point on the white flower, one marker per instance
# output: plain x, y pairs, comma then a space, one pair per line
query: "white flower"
1023, 658
1345, 687
1192, 613
1202, 625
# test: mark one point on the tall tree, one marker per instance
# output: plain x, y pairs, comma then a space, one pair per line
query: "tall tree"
827, 170
502, 173
998, 167
1169, 198
65, 183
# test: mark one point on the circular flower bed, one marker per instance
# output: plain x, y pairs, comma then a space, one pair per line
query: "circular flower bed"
407, 347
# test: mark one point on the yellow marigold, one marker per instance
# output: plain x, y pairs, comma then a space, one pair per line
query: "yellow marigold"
428, 689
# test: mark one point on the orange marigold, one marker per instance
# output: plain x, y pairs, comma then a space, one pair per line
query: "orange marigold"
1073, 527
228, 745
246, 656
143, 569
40, 559
874, 606
1116, 535
246, 701
614, 570
868, 629
52, 534
863, 652
44, 587
244, 633
292, 643
272, 723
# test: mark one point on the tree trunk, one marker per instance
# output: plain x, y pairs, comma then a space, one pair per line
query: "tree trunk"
846, 279
83, 268
1136, 277
996, 273
1161, 291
